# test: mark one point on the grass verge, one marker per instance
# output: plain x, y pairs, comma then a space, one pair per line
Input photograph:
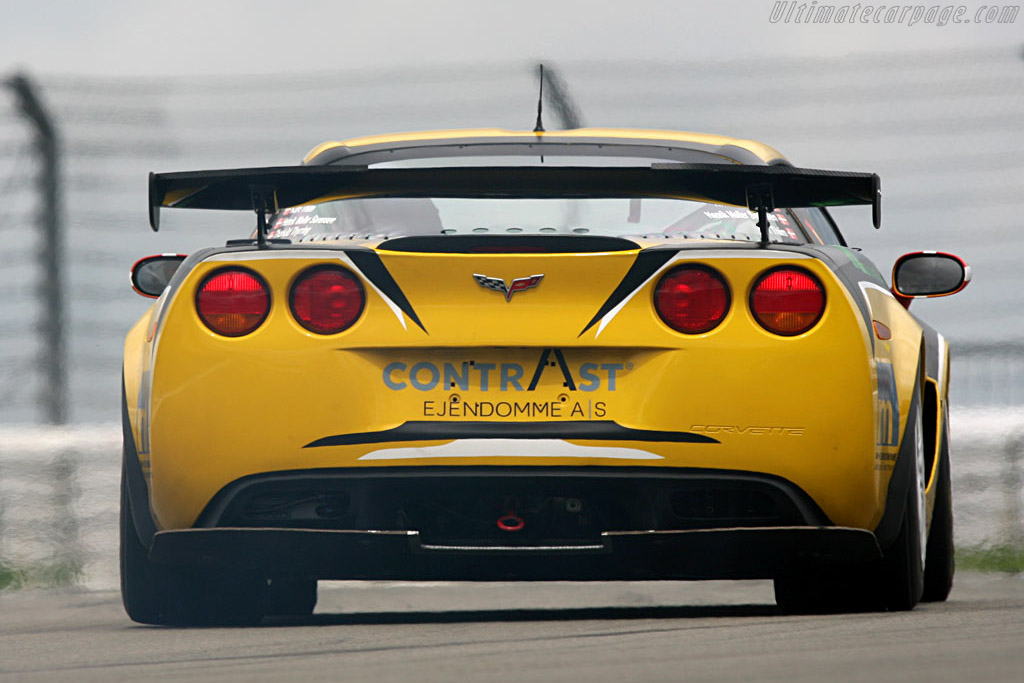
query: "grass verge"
7, 577
47, 575
1005, 558
992, 558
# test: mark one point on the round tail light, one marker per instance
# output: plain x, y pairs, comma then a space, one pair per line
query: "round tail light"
327, 299
233, 302
787, 301
692, 299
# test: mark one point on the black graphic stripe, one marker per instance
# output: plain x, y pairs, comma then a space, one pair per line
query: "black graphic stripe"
424, 430
646, 264
370, 265
541, 364
931, 344
502, 244
569, 383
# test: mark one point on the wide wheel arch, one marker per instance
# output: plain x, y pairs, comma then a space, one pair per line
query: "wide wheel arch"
901, 479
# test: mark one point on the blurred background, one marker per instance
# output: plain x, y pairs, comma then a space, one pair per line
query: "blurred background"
97, 96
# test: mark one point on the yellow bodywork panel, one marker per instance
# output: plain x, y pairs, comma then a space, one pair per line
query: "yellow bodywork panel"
135, 363
803, 409
765, 152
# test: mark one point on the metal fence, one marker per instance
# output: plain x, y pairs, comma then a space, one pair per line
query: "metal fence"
59, 496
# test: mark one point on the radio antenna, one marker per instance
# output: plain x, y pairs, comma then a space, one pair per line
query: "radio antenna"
539, 128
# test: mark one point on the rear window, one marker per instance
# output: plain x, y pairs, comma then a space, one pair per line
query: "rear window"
389, 217
394, 217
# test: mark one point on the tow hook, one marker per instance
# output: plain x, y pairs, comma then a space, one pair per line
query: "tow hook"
510, 521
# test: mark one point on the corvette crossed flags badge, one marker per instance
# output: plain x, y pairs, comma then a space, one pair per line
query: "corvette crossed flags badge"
498, 285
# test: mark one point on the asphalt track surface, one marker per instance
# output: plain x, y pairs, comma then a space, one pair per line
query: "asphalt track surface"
511, 633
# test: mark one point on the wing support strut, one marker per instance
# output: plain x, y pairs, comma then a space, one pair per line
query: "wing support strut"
759, 198
264, 200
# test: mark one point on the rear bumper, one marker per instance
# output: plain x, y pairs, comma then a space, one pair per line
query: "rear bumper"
736, 553
451, 504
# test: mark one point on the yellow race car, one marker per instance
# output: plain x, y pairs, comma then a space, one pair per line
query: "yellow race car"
491, 355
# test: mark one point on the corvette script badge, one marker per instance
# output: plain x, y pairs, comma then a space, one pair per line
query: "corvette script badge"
498, 285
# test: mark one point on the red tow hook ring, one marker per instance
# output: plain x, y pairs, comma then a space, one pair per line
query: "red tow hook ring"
511, 522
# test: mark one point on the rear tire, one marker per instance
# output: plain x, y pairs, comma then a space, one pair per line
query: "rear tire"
941, 564
185, 596
140, 594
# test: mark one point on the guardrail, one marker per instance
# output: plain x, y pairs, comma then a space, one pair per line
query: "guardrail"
987, 374
59, 503
59, 493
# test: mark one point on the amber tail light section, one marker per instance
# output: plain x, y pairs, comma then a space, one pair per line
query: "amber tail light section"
787, 301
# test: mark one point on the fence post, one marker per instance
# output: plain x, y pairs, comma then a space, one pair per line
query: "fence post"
67, 557
51, 324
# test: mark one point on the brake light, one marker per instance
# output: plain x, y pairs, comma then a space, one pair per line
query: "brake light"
787, 301
692, 299
327, 299
233, 302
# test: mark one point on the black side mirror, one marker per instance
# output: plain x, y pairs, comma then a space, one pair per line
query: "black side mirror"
151, 275
927, 274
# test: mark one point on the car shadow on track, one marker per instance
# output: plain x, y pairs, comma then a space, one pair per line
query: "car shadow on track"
572, 614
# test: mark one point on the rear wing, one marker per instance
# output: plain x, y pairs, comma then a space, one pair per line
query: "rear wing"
760, 188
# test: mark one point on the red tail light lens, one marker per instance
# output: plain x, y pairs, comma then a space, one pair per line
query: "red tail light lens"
787, 301
327, 299
692, 299
233, 302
